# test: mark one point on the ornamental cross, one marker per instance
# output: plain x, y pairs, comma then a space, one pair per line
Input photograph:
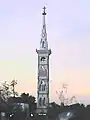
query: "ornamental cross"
44, 13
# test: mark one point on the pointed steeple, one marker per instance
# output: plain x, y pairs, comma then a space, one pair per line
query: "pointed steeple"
43, 42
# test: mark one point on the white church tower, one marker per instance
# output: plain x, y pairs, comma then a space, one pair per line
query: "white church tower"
43, 71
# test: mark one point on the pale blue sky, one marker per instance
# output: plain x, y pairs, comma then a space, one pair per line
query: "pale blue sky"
68, 28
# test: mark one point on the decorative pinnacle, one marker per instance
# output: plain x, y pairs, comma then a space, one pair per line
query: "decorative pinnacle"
44, 13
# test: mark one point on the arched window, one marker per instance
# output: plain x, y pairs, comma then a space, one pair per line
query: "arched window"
43, 44
42, 58
40, 101
44, 101
40, 87
43, 87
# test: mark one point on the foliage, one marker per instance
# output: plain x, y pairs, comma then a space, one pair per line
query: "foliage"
15, 105
4, 95
12, 105
29, 100
12, 84
63, 96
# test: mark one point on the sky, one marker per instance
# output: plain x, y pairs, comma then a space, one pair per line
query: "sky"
68, 30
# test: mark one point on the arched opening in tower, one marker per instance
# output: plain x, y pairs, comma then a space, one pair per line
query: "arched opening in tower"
43, 59
40, 101
43, 44
44, 101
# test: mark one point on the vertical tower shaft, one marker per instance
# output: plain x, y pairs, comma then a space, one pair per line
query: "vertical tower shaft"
43, 71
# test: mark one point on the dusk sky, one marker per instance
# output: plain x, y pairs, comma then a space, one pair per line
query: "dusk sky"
68, 30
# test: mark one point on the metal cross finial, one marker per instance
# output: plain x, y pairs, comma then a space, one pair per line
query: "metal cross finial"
44, 13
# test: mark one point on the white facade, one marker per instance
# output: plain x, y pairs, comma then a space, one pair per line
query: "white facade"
43, 71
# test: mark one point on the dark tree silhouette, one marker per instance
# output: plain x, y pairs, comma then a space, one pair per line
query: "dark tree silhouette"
15, 105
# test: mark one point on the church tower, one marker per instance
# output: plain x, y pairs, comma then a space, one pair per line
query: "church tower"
43, 71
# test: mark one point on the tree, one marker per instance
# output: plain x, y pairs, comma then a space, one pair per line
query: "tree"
15, 104
63, 96
4, 95
5, 91
12, 84
29, 99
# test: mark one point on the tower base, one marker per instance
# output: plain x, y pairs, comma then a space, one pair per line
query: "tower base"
41, 111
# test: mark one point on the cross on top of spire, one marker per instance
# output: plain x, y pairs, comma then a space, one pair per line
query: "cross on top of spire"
44, 13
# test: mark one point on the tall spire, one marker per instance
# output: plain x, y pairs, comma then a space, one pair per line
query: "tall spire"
44, 13
43, 42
